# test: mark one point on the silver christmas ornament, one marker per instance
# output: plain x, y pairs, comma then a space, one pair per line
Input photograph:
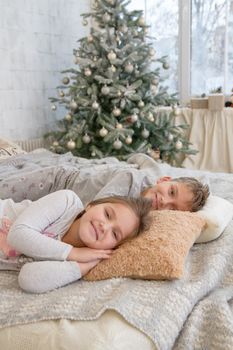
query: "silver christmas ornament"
65, 80
145, 133
128, 140
116, 112
73, 105
111, 56
93, 154
87, 72
86, 138
129, 68
95, 105
119, 93
117, 144
105, 90
53, 107
103, 132
178, 144
71, 144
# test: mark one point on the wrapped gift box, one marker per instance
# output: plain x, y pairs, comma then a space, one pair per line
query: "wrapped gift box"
216, 102
199, 102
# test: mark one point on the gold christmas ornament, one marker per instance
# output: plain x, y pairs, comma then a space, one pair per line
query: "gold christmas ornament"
65, 80
117, 144
73, 105
86, 138
106, 17
116, 112
141, 22
124, 29
141, 104
150, 117
71, 145
151, 52
90, 38
111, 56
176, 111
113, 68
61, 94
68, 117
53, 107
95, 105
154, 89
170, 137
145, 133
93, 154
128, 140
178, 144
103, 132
105, 90
55, 144
119, 126
134, 118
129, 68
166, 65
87, 72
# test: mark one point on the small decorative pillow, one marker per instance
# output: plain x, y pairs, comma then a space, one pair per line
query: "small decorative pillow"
158, 253
217, 212
8, 149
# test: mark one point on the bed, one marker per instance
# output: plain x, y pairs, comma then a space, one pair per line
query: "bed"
194, 312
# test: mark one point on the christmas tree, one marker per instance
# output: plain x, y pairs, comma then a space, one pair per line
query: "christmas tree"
111, 97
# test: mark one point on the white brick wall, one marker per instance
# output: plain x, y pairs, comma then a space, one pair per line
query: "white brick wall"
37, 38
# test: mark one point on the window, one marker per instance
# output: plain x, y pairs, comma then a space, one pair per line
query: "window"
197, 37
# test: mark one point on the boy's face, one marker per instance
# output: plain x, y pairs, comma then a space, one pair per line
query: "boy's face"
170, 195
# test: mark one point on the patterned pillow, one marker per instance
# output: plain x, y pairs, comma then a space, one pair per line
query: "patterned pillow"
158, 253
8, 149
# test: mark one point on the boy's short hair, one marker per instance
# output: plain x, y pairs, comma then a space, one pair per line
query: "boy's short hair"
140, 206
200, 191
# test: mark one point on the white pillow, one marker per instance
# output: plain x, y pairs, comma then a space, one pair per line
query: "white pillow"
217, 212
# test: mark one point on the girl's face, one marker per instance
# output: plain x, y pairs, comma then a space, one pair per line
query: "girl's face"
105, 225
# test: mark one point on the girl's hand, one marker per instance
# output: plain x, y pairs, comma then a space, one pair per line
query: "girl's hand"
85, 254
86, 267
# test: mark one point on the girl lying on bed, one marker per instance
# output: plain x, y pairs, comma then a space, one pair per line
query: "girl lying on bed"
67, 239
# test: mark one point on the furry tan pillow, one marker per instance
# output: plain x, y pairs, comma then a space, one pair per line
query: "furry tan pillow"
158, 253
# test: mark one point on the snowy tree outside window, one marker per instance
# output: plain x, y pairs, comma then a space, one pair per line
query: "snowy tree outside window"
197, 36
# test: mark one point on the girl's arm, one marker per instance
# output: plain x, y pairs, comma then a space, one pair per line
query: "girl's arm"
27, 234
43, 276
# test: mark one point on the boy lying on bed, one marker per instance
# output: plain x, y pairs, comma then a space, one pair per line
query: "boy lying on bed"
184, 193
